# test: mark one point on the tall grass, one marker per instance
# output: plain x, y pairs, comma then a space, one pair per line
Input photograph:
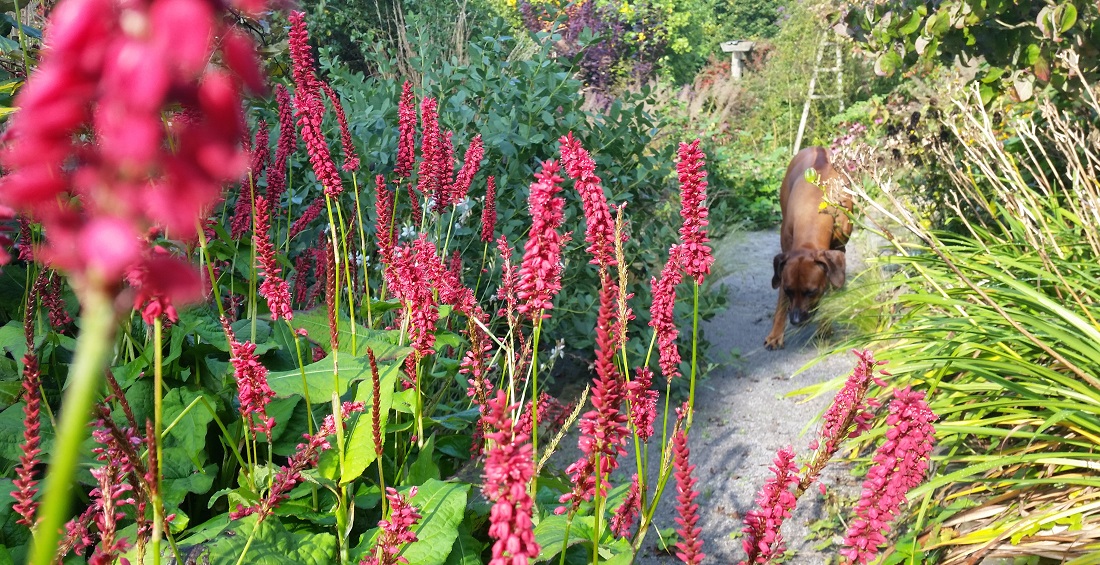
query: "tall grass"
996, 316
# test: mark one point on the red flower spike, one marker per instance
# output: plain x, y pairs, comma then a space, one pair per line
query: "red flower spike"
623, 520
643, 403
351, 159
383, 228
406, 127
509, 468
470, 165
690, 545
308, 215
287, 145
489, 211
274, 288
697, 257
429, 177
309, 109
603, 430
599, 227
662, 318
900, 464
540, 272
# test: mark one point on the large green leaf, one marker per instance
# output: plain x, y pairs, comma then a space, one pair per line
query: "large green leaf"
550, 533
188, 429
319, 381
272, 544
442, 506
361, 448
11, 432
466, 550
315, 323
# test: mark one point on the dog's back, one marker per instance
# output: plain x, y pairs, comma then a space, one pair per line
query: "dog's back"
805, 211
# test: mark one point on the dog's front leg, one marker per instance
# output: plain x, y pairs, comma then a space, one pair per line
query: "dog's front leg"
775, 338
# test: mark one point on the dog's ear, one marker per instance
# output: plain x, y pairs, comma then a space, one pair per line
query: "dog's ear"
834, 264
777, 266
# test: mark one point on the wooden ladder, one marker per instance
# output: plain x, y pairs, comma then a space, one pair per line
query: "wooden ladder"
838, 68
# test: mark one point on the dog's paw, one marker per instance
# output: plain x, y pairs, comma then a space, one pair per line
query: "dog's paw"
773, 342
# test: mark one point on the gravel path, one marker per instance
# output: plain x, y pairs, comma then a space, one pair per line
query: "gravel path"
742, 413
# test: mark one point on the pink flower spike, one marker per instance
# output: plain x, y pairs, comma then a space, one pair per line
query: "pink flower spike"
489, 211
600, 228
406, 137
775, 502
697, 257
540, 271
900, 464
252, 389
351, 159
509, 468
396, 531
690, 545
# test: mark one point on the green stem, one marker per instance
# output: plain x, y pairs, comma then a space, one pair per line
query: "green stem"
597, 511
93, 348
535, 399
158, 423
363, 253
694, 359
565, 539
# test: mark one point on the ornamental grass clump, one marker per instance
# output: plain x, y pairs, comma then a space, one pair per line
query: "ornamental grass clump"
997, 325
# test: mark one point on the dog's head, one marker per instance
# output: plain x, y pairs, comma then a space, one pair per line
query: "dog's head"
804, 275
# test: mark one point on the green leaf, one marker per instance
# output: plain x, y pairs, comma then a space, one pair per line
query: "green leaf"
361, 449
424, 468
466, 549
11, 534
319, 379
315, 323
550, 534
1066, 16
182, 477
910, 26
189, 431
443, 506
11, 432
888, 63
273, 544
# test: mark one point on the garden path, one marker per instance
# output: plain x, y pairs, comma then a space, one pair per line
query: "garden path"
743, 415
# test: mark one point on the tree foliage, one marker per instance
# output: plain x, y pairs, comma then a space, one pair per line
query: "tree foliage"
1019, 45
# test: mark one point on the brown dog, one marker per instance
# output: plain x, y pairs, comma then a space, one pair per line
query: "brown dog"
812, 238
